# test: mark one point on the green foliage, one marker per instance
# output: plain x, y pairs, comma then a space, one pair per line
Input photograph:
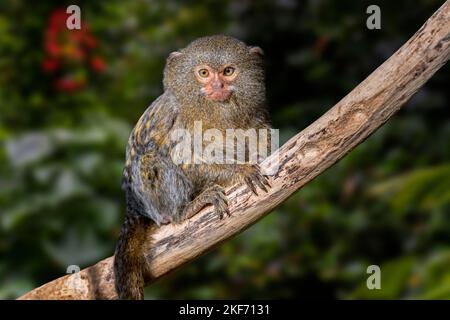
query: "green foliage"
61, 153
422, 189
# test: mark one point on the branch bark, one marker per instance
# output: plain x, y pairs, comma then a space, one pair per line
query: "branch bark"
300, 160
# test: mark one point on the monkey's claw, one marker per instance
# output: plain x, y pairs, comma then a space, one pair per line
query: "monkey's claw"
219, 201
213, 195
256, 179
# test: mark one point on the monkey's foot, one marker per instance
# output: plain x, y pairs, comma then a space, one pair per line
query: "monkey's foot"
213, 195
256, 179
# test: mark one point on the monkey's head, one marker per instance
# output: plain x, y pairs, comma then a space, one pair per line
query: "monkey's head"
218, 70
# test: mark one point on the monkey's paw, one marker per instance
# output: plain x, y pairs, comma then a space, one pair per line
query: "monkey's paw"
256, 179
213, 195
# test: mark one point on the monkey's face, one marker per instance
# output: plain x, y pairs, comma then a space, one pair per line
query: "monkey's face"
216, 84
216, 71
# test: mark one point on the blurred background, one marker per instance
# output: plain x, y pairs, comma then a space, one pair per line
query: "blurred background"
68, 101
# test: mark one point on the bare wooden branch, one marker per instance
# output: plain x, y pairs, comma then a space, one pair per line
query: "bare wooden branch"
301, 159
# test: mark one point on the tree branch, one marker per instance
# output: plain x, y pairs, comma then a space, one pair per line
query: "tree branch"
301, 159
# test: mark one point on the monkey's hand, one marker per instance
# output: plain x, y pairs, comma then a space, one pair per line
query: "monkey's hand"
253, 178
213, 195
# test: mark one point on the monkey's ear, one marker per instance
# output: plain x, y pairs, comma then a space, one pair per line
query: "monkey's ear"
173, 55
257, 51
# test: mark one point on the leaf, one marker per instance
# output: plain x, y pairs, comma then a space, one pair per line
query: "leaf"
425, 188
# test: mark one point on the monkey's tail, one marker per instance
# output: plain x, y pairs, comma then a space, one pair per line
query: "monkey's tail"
130, 266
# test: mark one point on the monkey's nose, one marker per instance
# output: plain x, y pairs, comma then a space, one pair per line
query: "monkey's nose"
217, 85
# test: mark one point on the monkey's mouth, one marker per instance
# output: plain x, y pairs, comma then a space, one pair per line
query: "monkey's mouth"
221, 95
217, 94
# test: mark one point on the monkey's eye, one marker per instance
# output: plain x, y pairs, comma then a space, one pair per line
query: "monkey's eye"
228, 71
204, 73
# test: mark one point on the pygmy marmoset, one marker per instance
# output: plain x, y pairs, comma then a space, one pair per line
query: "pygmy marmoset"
219, 81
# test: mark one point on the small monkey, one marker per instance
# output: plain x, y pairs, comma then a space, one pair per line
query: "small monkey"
219, 81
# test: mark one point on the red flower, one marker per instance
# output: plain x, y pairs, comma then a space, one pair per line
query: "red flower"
52, 48
90, 41
68, 85
50, 65
98, 64
58, 18
67, 49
